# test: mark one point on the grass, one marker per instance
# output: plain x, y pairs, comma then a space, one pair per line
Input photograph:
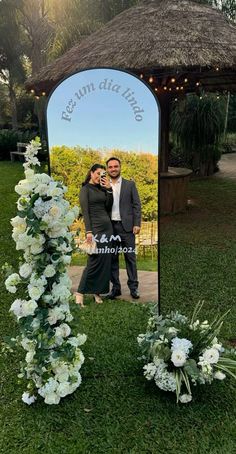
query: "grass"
115, 410
143, 263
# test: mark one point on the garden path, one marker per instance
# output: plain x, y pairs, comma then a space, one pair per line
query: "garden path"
147, 284
227, 166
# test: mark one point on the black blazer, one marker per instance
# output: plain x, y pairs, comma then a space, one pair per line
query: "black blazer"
130, 206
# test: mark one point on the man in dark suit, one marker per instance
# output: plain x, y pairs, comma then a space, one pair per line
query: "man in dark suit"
126, 221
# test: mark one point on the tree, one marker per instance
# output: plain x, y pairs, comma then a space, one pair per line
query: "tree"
34, 19
11, 64
197, 124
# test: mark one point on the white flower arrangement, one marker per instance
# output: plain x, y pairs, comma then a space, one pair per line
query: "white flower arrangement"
180, 352
41, 230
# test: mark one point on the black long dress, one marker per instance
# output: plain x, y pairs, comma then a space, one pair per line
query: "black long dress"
96, 204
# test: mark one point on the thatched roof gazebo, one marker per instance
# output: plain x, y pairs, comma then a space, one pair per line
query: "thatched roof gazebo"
178, 46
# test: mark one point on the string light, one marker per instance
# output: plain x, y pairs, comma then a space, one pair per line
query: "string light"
177, 88
43, 93
172, 80
217, 69
156, 89
181, 88
36, 97
150, 79
185, 80
176, 99
170, 89
165, 88
141, 76
32, 91
197, 84
200, 97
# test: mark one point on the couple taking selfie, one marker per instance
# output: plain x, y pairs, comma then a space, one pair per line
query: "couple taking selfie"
111, 210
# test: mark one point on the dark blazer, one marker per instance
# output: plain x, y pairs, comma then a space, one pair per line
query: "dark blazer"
130, 206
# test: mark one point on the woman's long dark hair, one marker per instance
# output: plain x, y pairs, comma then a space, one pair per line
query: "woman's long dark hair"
93, 168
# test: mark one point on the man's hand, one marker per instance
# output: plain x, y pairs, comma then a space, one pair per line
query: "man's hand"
136, 230
105, 183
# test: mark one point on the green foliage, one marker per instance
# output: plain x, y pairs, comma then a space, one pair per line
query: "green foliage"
9, 139
72, 164
197, 125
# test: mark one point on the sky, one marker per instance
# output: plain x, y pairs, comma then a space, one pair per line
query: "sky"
103, 109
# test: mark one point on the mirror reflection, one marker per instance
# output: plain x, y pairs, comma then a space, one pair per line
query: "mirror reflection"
103, 129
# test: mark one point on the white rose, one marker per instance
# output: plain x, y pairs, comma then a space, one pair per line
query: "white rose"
219, 375
178, 358
41, 189
63, 330
66, 259
55, 211
35, 324
16, 308
25, 270
24, 187
27, 399
54, 315
36, 248
211, 355
185, 398
64, 389
28, 344
52, 399
29, 356
49, 271
11, 282
28, 308
29, 174
35, 292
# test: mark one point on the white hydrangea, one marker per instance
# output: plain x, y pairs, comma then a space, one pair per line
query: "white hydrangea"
23, 308
149, 371
28, 399
181, 344
165, 380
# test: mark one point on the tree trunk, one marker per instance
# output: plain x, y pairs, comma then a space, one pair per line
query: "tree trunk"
12, 97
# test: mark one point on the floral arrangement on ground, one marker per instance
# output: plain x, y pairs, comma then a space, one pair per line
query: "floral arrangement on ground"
41, 229
182, 352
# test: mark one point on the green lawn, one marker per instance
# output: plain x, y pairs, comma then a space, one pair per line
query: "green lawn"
116, 410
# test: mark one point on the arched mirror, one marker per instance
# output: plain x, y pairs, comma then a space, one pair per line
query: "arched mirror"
93, 116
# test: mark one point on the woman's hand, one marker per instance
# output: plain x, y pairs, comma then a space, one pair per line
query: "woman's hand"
105, 183
89, 237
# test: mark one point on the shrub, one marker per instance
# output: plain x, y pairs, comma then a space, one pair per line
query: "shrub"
9, 139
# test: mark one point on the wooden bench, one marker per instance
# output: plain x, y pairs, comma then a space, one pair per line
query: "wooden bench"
21, 154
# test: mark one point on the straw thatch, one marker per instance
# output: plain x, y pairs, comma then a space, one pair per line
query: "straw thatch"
157, 35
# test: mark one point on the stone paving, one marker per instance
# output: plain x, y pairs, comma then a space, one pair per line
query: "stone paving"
148, 286
227, 166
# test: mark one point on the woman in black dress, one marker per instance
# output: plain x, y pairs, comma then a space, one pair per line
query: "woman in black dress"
96, 199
